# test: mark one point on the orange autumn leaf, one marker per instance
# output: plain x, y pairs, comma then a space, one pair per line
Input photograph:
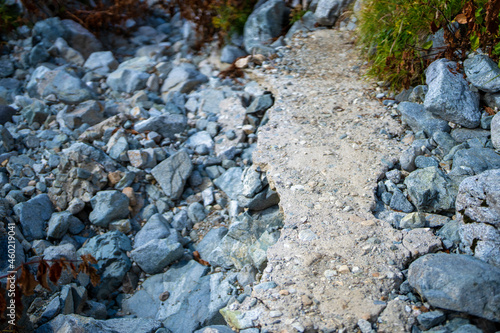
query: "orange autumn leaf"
42, 273
27, 281
196, 257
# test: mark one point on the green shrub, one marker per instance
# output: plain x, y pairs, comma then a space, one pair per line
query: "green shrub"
394, 34
9, 17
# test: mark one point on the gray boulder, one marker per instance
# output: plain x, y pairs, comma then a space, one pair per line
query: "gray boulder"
264, 24
89, 112
6, 68
166, 124
327, 11
80, 38
101, 62
192, 298
230, 53
483, 73
449, 96
33, 214
478, 206
306, 23
183, 79
77, 323
62, 222
419, 119
157, 227
108, 206
67, 88
131, 75
110, 251
230, 182
478, 198
459, 283
495, 131
156, 254
478, 159
172, 174
431, 190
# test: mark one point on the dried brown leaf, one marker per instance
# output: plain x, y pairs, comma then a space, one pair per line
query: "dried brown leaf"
197, 258
27, 281
55, 271
42, 273
461, 18
489, 110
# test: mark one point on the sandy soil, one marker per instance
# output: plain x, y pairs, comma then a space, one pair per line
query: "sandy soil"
335, 263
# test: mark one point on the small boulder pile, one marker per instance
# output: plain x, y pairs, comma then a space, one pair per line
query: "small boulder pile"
444, 192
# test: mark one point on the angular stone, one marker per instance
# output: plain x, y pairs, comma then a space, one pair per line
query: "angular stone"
62, 222
172, 174
230, 53
431, 190
449, 96
421, 241
77, 323
67, 88
264, 24
157, 227
478, 159
80, 38
327, 11
399, 202
156, 254
483, 73
101, 63
108, 206
166, 124
230, 182
419, 119
495, 131
183, 78
200, 138
33, 215
261, 103
110, 251
459, 283
131, 75
89, 112
481, 240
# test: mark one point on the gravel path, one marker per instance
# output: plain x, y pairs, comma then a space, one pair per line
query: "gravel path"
335, 263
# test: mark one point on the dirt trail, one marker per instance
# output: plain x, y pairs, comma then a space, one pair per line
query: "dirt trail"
335, 263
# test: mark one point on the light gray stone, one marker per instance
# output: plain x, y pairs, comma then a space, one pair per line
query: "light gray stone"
166, 124
66, 87
131, 75
110, 251
495, 131
157, 227
62, 222
77, 323
230, 182
200, 138
327, 11
482, 72
459, 283
419, 119
172, 174
449, 96
101, 63
156, 254
421, 241
264, 24
478, 159
108, 206
183, 79
33, 215
230, 53
431, 190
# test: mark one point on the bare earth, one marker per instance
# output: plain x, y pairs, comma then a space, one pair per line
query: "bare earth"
335, 263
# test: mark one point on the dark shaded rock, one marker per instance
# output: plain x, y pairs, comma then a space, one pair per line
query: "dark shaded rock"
400, 203
6, 113
458, 282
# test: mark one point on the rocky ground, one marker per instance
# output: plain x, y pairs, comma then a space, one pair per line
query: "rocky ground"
207, 212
